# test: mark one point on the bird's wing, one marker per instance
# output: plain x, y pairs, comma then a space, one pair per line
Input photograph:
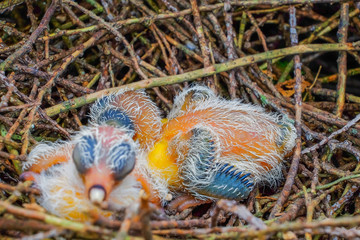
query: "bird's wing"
189, 99
132, 110
44, 156
205, 177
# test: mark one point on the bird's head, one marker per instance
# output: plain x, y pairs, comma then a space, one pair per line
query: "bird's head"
103, 156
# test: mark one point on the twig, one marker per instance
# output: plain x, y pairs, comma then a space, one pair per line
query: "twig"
334, 134
242, 212
28, 44
229, 46
119, 36
55, 221
296, 157
342, 60
202, 41
217, 68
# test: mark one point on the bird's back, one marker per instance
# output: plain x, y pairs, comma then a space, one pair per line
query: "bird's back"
240, 135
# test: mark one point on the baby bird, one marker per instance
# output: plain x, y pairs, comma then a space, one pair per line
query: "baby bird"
214, 148
96, 166
208, 148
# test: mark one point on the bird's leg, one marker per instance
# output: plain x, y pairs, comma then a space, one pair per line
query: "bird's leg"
184, 202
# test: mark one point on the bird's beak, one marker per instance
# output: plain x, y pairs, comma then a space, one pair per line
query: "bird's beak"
99, 182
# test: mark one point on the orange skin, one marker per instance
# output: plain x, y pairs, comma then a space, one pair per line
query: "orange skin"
143, 133
146, 115
51, 161
99, 175
44, 164
96, 175
240, 142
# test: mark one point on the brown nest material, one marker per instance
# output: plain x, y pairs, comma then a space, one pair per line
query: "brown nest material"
298, 57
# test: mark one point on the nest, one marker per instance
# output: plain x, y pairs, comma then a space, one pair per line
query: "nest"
297, 57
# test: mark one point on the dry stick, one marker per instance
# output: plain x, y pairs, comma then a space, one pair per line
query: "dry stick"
315, 178
21, 116
230, 50
55, 221
173, 59
245, 232
327, 167
10, 143
75, 20
309, 210
350, 188
330, 106
242, 212
334, 134
12, 30
184, 49
28, 124
342, 60
204, 72
296, 158
156, 33
332, 93
11, 188
260, 35
11, 156
61, 81
53, 233
28, 44
184, 21
324, 117
340, 232
293, 209
321, 30
334, 77
144, 214
147, 66
29, 100
7, 224
30, 14
122, 234
9, 84
118, 35
15, 126
9, 4
342, 200
15, 195
202, 41
255, 27
5, 99
163, 16
66, 62
246, 3
218, 31
345, 146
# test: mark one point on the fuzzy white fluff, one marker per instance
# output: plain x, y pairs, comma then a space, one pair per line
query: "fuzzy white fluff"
200, 94
134, 110
234, 115
157, 182
43, 151
66, 176
116, 135
62, 182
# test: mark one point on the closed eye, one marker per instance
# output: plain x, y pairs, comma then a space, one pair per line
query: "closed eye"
122, 160
84, 153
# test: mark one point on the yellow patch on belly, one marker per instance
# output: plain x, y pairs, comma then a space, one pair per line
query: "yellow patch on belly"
161, 161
